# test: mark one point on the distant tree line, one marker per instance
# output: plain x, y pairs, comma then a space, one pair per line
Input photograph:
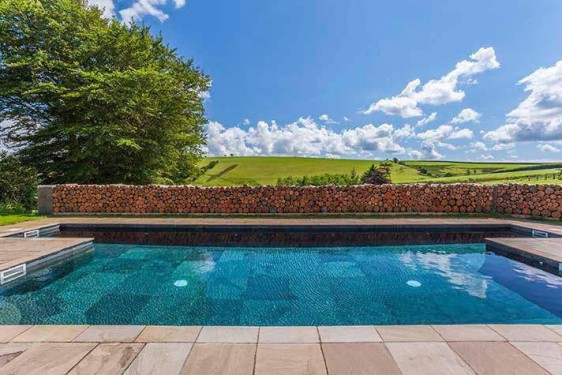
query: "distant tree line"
375, 175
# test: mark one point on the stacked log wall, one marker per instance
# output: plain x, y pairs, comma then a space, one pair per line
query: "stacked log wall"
519, 199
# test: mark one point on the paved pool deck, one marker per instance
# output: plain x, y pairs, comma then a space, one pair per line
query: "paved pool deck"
281, 221
414, 349
458, 349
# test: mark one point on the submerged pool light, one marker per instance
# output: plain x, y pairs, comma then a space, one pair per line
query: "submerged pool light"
180, 283
413, 283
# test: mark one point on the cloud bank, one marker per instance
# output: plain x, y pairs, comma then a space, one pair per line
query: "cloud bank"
303, 137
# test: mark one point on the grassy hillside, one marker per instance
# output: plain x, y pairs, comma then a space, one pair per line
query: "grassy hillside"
266, 170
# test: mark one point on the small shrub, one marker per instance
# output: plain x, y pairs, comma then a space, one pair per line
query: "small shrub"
377, 175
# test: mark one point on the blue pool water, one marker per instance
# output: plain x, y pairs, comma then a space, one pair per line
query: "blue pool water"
132, 284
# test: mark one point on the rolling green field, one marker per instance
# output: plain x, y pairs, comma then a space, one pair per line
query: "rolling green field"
232, 171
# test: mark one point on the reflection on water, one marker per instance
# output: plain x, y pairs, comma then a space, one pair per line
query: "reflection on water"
540, 287
461, 272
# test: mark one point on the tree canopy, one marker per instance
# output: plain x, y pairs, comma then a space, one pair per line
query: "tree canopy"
88, 100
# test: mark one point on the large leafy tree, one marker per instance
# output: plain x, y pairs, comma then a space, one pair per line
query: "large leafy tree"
89, 100
17, 185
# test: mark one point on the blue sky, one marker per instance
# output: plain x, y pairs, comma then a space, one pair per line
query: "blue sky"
279, 66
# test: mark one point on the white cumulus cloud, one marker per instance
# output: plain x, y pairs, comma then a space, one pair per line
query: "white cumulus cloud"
466, 115
445, 132
142, 8
405, 132
539, 116
107, 6
326, 119
545, 147
478, 146
428, 151
137, 10
437, 91
426, 120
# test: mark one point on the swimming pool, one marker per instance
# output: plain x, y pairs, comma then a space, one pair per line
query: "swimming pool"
352, 285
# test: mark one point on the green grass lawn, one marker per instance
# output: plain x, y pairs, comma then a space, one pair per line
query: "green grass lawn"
266, 170
14, 219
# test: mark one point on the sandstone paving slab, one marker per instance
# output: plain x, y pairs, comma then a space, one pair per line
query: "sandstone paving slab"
48, 359
110, 334
8, 332
349, 334
220, 359
359, 359
107, 359
468, 332
555, 328
427, 358
410, 333
547, 354
225, 334
10, 351
288, 335
526, 332
50, 333
496, 358
160, 358
169, 334
290, 359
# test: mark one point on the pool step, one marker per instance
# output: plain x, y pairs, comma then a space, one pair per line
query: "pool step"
19, 256
540, 252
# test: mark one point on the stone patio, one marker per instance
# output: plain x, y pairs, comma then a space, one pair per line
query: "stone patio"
458, 349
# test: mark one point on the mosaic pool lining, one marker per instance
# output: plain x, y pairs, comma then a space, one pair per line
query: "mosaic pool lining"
167, 285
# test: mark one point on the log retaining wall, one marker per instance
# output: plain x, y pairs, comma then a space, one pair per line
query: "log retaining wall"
530, 200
